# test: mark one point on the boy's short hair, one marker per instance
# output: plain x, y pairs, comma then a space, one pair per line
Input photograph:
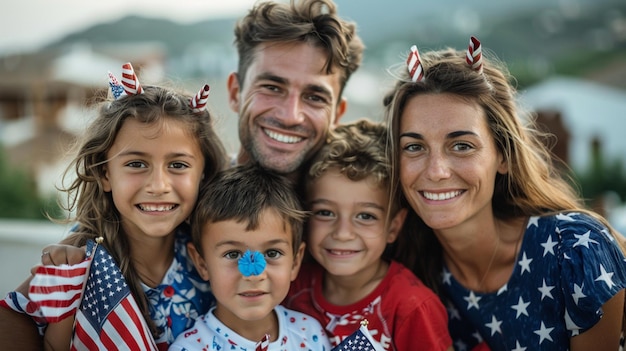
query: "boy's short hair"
241, 194
357, 150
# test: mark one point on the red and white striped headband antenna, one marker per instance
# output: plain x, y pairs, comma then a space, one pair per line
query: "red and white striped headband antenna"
199, 101
414, 65
474, 56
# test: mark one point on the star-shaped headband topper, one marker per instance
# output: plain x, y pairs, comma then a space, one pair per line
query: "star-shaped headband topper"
251, 263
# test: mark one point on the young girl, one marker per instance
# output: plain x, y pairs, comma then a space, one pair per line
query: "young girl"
139, 168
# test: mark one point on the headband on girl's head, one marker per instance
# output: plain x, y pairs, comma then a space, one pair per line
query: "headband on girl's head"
131, 86
473, 57
199, 101
130, 81
116, 88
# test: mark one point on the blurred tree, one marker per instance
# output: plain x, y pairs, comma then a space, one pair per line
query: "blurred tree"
19, 197
602, 176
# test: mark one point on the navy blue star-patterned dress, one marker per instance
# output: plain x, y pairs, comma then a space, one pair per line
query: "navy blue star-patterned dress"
568, 266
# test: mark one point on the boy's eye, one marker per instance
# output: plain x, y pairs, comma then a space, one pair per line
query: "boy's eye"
323, 213
233, 255
366, 216
273, 254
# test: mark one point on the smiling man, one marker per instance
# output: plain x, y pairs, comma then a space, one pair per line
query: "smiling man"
294, 61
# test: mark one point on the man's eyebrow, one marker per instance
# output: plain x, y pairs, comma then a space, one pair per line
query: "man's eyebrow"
281, 80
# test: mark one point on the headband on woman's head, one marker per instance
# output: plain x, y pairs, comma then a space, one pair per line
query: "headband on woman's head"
414, 64
474, 56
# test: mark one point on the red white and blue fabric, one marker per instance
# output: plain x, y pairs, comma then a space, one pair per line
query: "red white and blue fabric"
181, 297
360, 340
297, 331
108, 317
568, 266
402, 312
57, 291
19, 303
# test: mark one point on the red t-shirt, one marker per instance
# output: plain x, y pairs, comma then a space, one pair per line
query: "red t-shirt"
403, 314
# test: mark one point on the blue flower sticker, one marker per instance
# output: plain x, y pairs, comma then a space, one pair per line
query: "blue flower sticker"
251, 263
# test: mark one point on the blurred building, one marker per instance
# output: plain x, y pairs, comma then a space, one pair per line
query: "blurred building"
45, 98
588, 110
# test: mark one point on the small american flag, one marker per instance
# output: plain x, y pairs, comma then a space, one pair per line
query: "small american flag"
57, 290
360, 340
108, 317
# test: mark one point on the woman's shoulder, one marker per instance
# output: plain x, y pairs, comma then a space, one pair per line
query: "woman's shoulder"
569, 226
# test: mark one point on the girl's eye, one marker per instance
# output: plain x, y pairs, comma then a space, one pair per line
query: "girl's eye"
136, 164
233, 255
178, 165
273, 254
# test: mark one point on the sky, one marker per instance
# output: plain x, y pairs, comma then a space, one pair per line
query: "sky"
29, 24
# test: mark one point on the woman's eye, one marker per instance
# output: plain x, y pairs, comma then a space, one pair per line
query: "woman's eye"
412, 147
462, 147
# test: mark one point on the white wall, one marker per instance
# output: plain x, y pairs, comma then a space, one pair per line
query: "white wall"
21, 243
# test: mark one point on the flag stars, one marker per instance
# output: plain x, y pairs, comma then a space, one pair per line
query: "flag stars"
446, 277
548, 246
472, 300
525, 263
584, 240
578, 293
546, 290
544, 333
494, 325
566, 217
503, 289
521, 307
518, 347
533, 221
605, 277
